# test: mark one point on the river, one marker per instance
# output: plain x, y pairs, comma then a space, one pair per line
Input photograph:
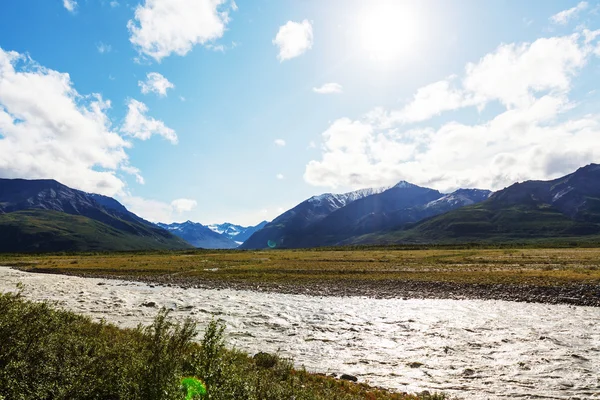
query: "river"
475, 349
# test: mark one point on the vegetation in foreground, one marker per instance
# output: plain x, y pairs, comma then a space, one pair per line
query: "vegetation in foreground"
512, 266
52, 354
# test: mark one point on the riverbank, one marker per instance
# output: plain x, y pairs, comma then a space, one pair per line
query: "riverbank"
552, 276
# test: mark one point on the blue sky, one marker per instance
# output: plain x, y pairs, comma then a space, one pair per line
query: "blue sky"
219, 111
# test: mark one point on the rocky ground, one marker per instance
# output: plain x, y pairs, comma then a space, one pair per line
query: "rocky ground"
573, 294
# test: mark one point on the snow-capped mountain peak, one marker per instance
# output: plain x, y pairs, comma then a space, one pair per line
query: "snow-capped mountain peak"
344, 199
404, 185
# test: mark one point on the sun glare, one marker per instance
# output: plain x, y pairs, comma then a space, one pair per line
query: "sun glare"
388, 30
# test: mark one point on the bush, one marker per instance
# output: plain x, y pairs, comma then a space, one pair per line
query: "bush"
51, 354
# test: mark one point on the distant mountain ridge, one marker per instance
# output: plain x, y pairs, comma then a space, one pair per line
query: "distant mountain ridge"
45, 215
199, 235
237, 233
216, 236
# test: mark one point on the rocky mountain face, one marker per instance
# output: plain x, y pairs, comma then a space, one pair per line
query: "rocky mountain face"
87, 221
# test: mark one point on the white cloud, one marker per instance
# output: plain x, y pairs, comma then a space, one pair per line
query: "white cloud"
279, 142
163, 27
183, 205
135, 172
537, 134
428, 101
329, 88
49, 130
563, 17
70, 5
142, 127
279, 176
155, 210
103, 48
114, 4
514, 74
216, 47
293, 39
312, 144
155, 83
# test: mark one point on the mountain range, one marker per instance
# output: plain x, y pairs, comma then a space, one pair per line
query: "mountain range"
331, 219
567, 207
44, 215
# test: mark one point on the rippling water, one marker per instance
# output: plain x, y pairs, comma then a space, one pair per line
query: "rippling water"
474, 349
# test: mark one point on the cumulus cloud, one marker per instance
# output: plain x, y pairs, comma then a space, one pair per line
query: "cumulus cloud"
279, 142
563, 17
49, 130
428, 101
514, 74
293, 39
329, 88
536, 134
155, 210
70, 5
140, 126
155, 83
163, 27
183, 205
279, 176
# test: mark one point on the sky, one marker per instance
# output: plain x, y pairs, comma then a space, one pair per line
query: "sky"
215, 110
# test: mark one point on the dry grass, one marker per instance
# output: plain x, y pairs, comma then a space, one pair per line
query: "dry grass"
544, 267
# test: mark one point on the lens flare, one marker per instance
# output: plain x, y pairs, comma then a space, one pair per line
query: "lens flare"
193, 387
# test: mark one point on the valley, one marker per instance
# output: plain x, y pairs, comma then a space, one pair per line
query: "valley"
552, 275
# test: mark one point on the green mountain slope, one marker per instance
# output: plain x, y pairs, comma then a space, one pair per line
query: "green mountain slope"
48, 230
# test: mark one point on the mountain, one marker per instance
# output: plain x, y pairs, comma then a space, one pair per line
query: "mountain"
199, 235
237, 233
293, 223
567, 207
45, 215
326, 220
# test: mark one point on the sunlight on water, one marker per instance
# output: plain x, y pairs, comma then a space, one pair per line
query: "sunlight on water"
477, 349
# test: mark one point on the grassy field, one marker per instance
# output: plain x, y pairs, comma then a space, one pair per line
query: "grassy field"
539, 267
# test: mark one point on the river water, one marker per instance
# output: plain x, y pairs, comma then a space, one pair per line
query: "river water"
475, 349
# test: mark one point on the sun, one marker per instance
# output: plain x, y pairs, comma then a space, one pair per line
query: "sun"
388, 30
